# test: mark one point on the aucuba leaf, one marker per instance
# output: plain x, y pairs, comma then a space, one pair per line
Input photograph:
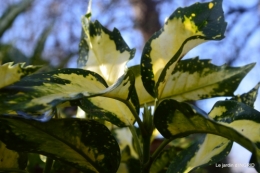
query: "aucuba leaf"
195, 79
73, 141
12, 160
10, 73
40, 92
182, 119
183, 30
103, 51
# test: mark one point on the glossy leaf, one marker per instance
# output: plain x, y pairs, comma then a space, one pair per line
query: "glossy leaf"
174, 119
10, 73
84, 144
108, 109
211, 148
103, 51
183, 30
41, 92
195, 79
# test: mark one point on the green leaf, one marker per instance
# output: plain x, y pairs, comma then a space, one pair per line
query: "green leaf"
183, 30
84, 144
195, 79
182, 119
41, 92
10, 73
11, 160
103, 51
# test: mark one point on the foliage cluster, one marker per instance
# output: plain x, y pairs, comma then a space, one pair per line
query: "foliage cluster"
112, 95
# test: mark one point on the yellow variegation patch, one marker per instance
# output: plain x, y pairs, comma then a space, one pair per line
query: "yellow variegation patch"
10, 73
9, 159
111, 110
175, 32
212, 146
107, 53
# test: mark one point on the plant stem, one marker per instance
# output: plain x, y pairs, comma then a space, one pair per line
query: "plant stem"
146, 148
137, 118
48, 165
156, 153
137, 142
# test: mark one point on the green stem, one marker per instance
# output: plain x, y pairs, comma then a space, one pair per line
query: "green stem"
48, 165
137, 142
156, 153
146, 148
137, 118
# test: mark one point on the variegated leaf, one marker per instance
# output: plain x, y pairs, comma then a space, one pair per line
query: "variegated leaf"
195, 79
211, 148
248, 98
242, 118
41, 92
161, 163
174, 119
183, 30
115, 110
103, 51
11, 160
143, 95
84, 144
108, 109
10, 73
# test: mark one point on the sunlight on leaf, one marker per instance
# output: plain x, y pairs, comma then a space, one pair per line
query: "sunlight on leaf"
103, 51
183, 30
10, 73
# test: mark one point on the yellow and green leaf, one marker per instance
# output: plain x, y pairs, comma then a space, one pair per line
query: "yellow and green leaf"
10, 73
174, 119
103, 51
195, 79
143, 95
183, 30
84, 144
108, 109
210, 148
41, 92
114, 104
11, 160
